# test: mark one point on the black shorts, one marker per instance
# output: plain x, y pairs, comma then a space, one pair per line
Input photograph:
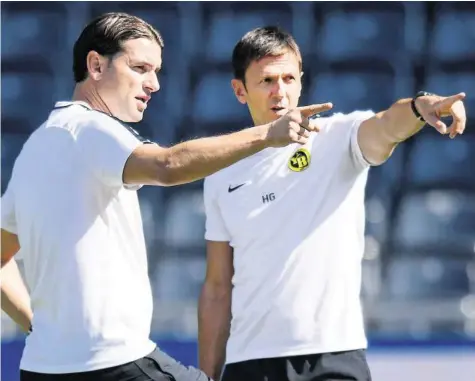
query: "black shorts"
157, 366
336, 366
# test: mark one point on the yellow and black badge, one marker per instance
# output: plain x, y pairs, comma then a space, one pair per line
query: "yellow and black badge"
300, 160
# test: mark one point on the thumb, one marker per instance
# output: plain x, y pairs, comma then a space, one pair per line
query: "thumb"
310, 110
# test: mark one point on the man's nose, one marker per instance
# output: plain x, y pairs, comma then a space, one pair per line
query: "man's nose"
279, 88
152, 82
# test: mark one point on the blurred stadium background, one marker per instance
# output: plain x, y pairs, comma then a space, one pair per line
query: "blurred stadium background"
419, 268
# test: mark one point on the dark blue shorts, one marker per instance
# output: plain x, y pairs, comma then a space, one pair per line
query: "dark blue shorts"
157, 366
336, 366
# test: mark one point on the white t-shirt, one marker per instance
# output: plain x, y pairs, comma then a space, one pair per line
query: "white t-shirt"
82, 243
298, 240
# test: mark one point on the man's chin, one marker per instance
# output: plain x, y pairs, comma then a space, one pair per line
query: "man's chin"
135, 118
138, 118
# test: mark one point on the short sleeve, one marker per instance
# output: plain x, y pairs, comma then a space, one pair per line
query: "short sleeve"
8, 211
105, 145
355, 150
342, 135
215, 228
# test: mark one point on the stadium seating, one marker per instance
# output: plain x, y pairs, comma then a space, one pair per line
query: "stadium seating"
437, 159
184, 220
178, 278
357, 84
362, 30
430, 277
436, 218
224, 23
27, 29
23, 82
453, 32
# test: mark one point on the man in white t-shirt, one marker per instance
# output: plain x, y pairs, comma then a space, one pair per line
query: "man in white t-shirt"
72, 207
285, 228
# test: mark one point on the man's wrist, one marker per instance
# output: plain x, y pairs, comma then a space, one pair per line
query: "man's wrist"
414, 107
262, 134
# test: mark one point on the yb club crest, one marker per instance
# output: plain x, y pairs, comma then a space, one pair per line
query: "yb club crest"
300, 160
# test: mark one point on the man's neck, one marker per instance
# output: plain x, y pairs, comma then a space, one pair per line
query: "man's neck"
86, 94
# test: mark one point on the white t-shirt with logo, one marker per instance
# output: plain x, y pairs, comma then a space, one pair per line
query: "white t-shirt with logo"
82, 243
295, 218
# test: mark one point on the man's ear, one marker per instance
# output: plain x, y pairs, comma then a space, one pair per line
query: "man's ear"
239, 90
95, 65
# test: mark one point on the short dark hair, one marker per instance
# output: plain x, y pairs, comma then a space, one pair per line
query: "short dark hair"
106, 34
259, 43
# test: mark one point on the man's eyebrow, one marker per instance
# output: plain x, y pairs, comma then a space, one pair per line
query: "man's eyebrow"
145, 63
267, 74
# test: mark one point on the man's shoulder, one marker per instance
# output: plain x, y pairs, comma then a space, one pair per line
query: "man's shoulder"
345, 118
78, 114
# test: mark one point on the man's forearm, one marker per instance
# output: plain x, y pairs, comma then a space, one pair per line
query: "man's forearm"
214, 317
15, 298
400, 123
379, 136
196, 159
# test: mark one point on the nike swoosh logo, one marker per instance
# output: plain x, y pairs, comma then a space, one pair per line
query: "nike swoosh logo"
232, 189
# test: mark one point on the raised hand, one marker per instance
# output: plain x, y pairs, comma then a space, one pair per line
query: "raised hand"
295, 126
434, 107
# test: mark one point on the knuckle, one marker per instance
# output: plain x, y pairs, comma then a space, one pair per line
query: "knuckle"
297, 119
